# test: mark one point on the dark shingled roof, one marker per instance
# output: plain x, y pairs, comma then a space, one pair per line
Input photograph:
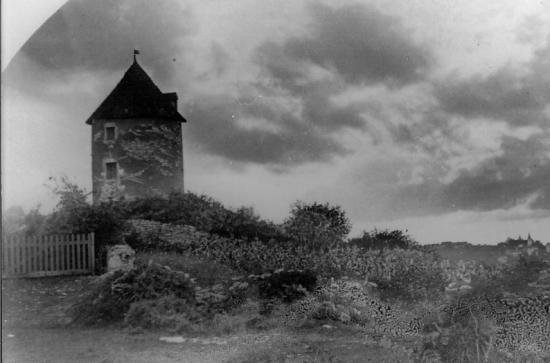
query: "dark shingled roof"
136, 96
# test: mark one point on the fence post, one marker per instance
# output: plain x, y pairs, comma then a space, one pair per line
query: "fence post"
13, 248
32, 253
17, 256
81, 262
23, 255
7, 254
92, 252
76, 241
4, 254
55, 253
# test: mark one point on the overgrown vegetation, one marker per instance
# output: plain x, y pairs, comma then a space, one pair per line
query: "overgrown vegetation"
287, 285
316, 225
470, 340
112, 297
199, 263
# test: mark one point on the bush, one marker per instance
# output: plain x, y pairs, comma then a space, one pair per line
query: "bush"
74, 215
287, 285
111, 298
317, 225
384, 239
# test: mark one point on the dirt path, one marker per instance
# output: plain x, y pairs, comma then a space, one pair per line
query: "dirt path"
35, 329
110, 346
40, 302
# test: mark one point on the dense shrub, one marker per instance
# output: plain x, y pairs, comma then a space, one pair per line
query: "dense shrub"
317, 225
74, 215
287, 285
105, 220
112, 296
377, 239
151, 294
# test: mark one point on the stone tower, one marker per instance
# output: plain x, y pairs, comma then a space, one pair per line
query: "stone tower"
136, 140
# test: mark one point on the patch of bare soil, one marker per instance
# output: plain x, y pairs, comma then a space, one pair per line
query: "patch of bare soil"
112, 345
40, 301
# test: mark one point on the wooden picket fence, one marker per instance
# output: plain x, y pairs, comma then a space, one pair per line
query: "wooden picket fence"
52, 255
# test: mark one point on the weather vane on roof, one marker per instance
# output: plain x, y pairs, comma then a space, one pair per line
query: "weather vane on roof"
136, 52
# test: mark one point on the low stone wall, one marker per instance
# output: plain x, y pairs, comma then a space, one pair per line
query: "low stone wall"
253, 256
167, 233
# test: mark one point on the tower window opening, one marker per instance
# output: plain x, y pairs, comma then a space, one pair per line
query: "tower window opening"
110, 133
111, 170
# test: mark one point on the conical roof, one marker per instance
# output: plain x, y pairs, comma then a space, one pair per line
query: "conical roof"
137, 96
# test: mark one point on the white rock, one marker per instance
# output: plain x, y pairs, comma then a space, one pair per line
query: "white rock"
120, 257
176, 339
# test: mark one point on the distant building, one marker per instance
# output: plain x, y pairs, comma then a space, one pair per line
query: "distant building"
136, 140
530, 240
518, 246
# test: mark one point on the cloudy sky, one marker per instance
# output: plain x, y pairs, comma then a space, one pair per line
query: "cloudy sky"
426, 115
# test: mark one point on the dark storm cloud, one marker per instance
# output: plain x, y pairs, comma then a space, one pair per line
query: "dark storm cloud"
500, 96
507, 95
362, 44
217, 131
346, 45
521, 171
101, 35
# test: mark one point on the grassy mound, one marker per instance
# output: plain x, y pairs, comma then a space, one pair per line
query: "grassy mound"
111, 297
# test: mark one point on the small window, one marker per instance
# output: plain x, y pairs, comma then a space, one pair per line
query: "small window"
111, 170
110, 133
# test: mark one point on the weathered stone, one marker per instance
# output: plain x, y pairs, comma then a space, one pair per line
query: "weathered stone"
136, 141
344, 317
120, 257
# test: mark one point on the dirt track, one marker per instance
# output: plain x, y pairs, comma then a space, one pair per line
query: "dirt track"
104, 345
